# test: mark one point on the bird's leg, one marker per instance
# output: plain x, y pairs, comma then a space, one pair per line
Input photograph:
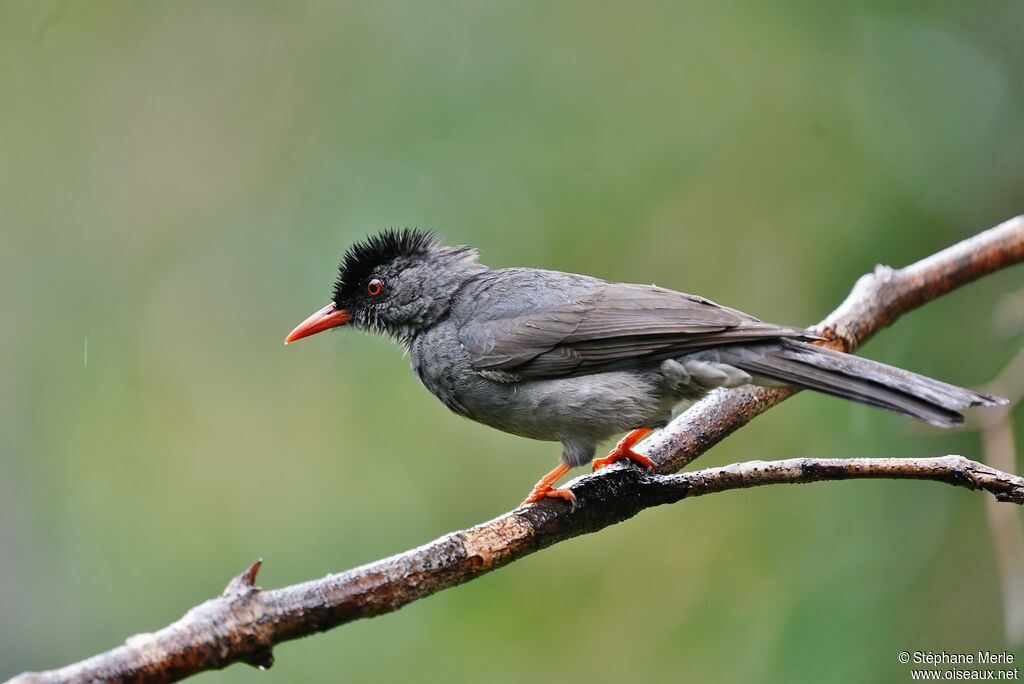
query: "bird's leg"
624, 449
545, 488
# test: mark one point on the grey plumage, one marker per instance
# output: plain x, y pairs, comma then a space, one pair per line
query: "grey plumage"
570, 358
542, 324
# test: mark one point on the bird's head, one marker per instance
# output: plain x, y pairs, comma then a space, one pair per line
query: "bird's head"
397, 283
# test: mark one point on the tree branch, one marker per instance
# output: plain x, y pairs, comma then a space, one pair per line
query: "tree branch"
246, 622
954, 470
876, 301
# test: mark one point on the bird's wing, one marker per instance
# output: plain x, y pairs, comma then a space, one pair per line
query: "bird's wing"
605, 326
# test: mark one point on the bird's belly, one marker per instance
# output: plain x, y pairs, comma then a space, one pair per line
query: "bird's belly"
593, 406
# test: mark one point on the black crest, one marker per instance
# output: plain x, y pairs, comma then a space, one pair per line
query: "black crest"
361, 258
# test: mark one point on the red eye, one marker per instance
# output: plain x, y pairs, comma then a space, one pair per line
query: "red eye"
375, 287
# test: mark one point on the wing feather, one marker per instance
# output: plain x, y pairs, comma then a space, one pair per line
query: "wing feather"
598, 326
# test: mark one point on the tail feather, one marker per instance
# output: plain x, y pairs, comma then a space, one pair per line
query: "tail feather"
851, 377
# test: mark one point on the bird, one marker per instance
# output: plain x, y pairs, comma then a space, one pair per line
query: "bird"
575, 359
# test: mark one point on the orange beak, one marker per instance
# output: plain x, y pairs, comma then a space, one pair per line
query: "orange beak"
324, 319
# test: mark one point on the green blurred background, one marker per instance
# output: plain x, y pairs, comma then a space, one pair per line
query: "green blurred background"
178, 179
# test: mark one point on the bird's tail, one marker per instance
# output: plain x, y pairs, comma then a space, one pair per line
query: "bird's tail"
806, 366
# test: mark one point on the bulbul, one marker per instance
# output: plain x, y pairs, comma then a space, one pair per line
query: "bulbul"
573, 359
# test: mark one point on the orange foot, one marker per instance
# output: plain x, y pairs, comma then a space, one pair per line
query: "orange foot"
545, 488
624, 449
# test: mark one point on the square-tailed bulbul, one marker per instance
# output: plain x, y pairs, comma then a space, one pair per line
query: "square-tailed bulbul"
574, 359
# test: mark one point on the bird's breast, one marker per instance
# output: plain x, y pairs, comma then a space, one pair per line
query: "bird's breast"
443, 367
591, 407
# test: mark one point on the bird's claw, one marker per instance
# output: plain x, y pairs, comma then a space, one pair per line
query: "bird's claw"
624, 450
629, 454
549, 492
